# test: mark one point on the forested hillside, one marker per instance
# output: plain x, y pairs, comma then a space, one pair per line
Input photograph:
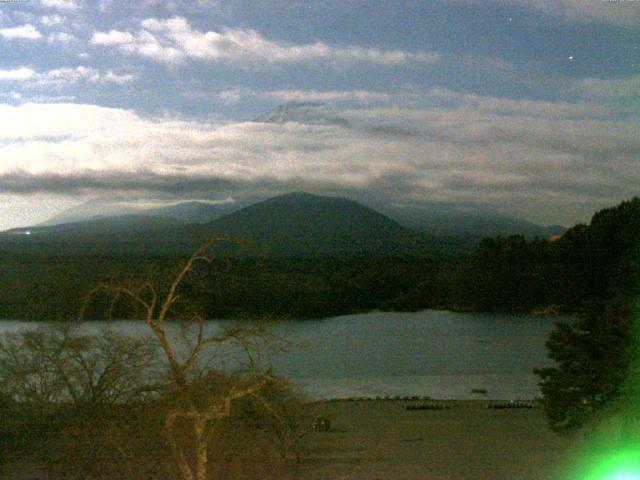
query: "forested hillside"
588, 263
509, 274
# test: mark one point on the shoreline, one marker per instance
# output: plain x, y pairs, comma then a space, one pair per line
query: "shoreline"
551, 311
467, 440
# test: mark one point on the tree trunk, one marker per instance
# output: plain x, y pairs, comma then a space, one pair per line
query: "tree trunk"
185, 470
199, 427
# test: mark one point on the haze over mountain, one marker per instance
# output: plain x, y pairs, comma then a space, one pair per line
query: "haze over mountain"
464, 220
435, 219
184, 212
296, 223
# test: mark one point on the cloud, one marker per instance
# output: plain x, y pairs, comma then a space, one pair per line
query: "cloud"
618, 12
109, 76
63, 77
61, 4
609, 88
499, 152
66, 76
363, 96
172, 41
18, 74
114, 37
27, 32
22, 15
61, 37
51, 20
507, 106
16, 96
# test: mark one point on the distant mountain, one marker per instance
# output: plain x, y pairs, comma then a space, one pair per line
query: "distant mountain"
291, 224
196, 212
93, 209
100, 226
452, 221
185, 212
309, 113
298, 223
116, 234
471, 222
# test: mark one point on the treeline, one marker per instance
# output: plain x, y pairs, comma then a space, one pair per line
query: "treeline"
588, 264
504, 274
594, 379
43, 287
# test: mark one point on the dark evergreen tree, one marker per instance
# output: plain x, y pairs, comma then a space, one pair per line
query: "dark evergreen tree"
597, 353
593, 357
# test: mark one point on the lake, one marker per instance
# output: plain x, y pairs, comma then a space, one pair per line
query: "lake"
429, 353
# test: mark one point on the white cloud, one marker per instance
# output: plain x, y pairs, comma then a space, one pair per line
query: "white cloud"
61, 4
61, 37
116, 78
66, 76
173, 40
72, 75
114, 37
63, 77
28, 32
231, 96
501, 152
17, 74
51, 20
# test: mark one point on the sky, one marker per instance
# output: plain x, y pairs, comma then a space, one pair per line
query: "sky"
526, 107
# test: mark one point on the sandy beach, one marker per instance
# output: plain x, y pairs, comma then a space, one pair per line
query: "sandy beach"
381, 439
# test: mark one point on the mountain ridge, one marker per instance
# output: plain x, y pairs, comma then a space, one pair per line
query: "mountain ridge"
433, 219
291, 224
294, 222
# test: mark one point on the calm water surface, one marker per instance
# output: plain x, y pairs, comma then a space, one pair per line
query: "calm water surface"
436, 353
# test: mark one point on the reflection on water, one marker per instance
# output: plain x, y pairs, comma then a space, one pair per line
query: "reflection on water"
434, 353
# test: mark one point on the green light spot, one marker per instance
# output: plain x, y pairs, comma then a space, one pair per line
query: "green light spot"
625, 476
620, 465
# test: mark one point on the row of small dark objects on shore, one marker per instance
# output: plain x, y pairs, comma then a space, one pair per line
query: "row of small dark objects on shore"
511, 404
428, 406
323, 424
396, 398
497, 406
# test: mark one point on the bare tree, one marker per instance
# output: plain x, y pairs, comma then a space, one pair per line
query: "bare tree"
70, 393
57, 365
197, 407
